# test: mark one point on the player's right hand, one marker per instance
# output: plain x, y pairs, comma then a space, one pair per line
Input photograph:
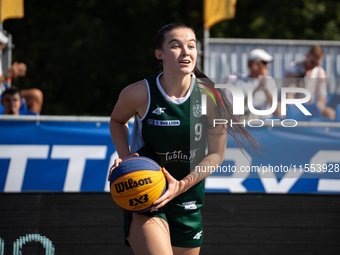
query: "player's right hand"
117, 162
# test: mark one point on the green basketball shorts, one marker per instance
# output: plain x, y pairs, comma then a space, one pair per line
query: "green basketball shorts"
185, 227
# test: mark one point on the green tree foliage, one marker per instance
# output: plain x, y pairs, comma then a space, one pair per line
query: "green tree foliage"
82, 53
288, 19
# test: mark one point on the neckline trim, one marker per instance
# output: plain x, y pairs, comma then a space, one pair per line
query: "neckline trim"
180, 100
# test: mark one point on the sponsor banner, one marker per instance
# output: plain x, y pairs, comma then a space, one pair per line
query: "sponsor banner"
293, 160
55, 156
76, 156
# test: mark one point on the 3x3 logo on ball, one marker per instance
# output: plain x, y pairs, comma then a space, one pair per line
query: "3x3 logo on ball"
139, 201
131, 184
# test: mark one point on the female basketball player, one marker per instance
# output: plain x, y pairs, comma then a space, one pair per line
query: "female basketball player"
170, 128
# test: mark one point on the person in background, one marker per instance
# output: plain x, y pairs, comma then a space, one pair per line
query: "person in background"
34, 96
309, 74
258, 82
11, 101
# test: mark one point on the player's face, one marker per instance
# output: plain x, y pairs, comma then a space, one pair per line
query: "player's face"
11, 104
179, 52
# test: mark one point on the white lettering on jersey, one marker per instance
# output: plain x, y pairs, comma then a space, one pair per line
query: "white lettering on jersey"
178, 155
192, 154
158, 110
190, 205
164, 122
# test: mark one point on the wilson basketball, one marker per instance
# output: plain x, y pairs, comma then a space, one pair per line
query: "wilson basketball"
136, 183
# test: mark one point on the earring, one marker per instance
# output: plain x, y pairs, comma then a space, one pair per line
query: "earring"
160, 60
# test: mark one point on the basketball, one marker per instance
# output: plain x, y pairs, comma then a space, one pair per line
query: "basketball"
136, 183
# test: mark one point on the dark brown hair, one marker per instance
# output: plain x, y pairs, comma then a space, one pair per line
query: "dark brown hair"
11, 91
238, 131
168, 28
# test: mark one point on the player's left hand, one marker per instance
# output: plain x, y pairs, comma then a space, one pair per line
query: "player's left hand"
172, 191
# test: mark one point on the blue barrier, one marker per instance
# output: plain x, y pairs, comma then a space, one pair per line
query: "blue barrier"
71, 155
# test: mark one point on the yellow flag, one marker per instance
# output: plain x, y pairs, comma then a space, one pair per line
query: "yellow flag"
11, 9
218, 10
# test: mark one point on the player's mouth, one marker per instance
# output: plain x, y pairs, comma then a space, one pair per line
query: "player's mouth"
185, 62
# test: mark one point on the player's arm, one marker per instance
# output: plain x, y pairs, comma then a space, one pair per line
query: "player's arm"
132, 100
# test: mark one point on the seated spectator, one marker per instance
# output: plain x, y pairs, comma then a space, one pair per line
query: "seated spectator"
34, 96
258, 82
309, 74
11, 101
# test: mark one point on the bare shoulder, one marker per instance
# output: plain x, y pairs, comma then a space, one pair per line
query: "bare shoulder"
322, 73
132, 100
135, 91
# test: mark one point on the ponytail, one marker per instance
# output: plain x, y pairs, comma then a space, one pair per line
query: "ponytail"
240, 134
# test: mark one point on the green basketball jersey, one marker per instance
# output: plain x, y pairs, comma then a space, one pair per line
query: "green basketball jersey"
174, 135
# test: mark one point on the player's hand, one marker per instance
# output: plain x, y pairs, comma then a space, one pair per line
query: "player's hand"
117, 162
172, 191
